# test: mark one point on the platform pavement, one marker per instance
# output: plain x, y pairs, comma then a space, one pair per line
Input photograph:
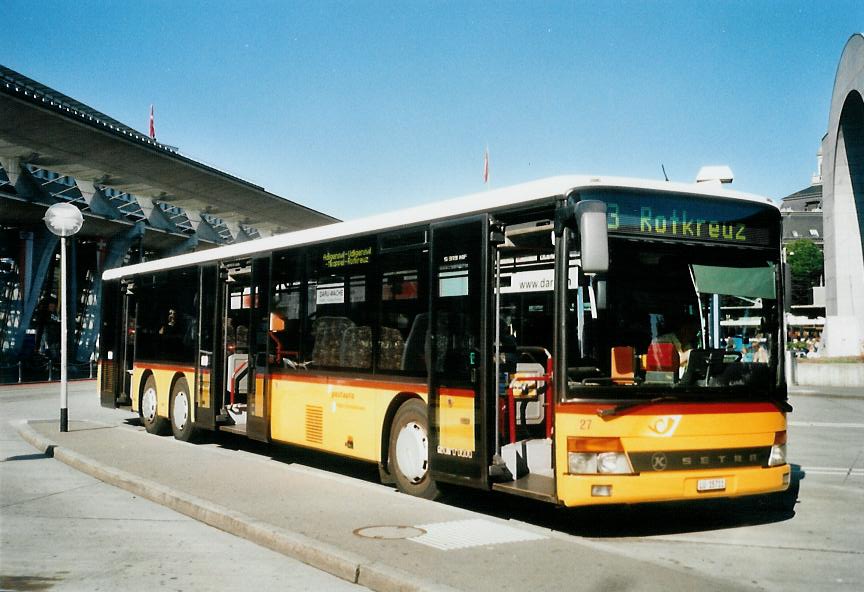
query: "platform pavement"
837, 392
63, 530
315, 516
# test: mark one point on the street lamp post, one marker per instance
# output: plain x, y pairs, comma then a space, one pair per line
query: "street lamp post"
63, 219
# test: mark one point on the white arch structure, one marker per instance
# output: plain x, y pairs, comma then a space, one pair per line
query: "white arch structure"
843, 204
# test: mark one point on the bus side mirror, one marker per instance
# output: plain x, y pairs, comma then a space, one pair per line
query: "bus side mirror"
589, 216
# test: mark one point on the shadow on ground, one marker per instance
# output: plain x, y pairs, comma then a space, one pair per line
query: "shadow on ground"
640, 520
619, 521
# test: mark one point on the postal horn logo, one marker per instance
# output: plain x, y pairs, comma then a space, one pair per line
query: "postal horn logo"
659, 462
665, 426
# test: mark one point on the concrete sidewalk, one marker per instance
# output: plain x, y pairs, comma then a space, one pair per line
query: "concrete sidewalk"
362, 532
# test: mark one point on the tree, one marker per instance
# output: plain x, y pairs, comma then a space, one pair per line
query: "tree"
805, 262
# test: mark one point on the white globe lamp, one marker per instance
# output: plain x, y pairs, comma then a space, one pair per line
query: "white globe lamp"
64, 220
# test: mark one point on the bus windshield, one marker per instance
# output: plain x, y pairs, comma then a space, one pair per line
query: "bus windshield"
675, 319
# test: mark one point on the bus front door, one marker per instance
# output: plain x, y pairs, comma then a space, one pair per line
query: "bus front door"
459, 403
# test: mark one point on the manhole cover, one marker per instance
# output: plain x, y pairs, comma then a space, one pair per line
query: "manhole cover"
389, 532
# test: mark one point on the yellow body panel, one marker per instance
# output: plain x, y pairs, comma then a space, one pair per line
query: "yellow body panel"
456, 421
202, 398
575, 490
164, 379
333, 416
135, 386
670, 432
256, 406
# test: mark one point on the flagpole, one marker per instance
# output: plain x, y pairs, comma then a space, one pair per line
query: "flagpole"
486, 168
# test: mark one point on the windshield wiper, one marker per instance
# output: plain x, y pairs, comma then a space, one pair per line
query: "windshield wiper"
612, 411
624, 406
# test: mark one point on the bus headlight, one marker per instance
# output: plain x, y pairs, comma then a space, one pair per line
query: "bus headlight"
778, 450
581, 463
593, 456
613, 462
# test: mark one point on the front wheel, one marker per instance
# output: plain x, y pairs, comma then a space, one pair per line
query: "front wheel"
181, 420
152, 422
408, 457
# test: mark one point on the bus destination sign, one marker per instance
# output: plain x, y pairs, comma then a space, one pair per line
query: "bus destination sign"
689, 218
347, 257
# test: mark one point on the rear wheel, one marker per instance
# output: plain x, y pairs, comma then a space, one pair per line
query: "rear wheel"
152, 422
181, 420
409, 450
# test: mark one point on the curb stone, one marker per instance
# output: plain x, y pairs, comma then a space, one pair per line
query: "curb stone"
342, 564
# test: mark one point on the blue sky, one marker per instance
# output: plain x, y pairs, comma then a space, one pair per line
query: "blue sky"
355, 108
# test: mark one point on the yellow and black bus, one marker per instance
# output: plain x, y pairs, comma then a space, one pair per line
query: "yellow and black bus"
577, 340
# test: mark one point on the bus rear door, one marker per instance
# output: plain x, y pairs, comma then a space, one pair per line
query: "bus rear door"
210, 361
113, 387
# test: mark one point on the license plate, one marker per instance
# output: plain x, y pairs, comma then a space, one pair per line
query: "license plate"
710, 484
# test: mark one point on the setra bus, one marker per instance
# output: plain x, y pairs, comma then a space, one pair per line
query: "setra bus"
576, 340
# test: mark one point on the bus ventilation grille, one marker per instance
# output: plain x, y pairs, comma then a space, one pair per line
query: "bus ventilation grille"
314, 424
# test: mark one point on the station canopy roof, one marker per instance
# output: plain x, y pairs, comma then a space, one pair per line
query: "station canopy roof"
42, 127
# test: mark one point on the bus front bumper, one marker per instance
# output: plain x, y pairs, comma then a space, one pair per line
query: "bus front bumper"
585, 490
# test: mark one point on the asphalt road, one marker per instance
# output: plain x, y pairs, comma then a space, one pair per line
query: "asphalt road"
818, 547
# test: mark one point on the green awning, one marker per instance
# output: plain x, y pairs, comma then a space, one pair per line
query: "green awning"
743, 282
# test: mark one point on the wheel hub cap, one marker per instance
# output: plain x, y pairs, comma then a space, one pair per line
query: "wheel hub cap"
148, 404
412, 452
180, 413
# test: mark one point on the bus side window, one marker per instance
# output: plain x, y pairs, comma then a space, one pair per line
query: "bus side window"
415, 356
403, 319
339, 306
285, 324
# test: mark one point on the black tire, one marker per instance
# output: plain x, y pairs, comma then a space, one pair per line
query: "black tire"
147, 409
180, 412
412, 426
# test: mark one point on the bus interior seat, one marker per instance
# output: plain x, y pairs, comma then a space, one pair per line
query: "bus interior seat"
662, 363
662, 357
356, 349
584, 369
391, 349
329, 333
702, 365
623, 364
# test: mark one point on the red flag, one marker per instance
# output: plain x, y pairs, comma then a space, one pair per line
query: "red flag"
152, 124
486, 166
